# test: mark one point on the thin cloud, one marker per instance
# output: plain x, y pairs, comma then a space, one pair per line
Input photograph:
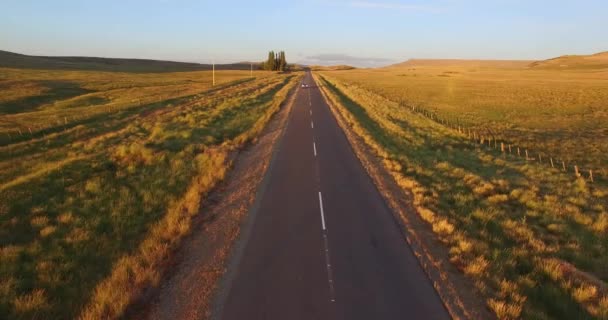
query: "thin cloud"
343, 59
394, 6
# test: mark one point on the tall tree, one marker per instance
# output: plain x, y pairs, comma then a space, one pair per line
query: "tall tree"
270, 63
282, 61
276, 61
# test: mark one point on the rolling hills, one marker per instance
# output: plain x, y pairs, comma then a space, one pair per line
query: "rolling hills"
592, 61
21, 61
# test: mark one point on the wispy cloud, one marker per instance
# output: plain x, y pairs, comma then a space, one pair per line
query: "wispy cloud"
395, 6
338, 59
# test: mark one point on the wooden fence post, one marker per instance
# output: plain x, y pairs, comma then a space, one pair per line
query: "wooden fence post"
527, 158
510, 148
518, 152
576, 173
552, 166
563, 165
591, 175
502, 147
540, 158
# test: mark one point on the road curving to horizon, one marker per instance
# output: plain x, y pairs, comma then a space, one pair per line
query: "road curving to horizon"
323, 244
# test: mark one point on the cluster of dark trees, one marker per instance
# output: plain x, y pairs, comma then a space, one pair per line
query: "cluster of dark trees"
276, 61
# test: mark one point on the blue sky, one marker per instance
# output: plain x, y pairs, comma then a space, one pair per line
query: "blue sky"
363, 33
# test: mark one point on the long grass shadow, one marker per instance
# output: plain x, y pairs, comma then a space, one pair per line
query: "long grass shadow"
364, 119
6, 139
79, 220
93, 126
57, 90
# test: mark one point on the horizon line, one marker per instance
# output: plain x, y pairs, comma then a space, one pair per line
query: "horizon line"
395, 61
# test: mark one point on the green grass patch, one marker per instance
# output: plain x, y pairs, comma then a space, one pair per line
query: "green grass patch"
89, 208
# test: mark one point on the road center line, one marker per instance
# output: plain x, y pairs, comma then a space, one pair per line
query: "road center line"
330, 277
314, 149
312, 125
322, 214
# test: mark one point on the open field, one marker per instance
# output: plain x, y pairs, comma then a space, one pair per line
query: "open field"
534, 240
559, 112
100, 173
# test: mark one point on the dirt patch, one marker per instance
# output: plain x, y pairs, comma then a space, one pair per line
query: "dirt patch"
455, 290
187, 291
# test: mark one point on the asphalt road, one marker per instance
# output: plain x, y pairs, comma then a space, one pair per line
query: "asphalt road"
323, 244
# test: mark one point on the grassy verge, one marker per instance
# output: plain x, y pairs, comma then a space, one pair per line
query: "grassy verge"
89, 213
533, 240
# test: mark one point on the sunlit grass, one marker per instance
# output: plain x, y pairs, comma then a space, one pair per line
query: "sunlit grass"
558, 113
532, 239
90, 209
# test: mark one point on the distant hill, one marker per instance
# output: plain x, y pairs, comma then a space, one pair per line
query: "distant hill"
462, 63
331, 68
15, 60
593, 61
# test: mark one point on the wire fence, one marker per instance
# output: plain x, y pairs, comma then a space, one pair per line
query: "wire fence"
508, 148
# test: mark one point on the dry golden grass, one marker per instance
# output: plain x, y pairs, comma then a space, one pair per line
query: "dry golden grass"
531, 238
558, 113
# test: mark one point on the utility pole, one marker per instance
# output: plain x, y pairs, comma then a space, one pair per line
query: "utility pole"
251, 73
214, 72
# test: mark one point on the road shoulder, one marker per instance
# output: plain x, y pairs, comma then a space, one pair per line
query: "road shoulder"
189, 289
452, 286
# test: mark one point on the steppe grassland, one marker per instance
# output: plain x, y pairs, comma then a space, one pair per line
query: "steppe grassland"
558, 113
101, 172
534, 240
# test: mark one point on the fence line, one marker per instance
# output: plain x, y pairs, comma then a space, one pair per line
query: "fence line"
591, 174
